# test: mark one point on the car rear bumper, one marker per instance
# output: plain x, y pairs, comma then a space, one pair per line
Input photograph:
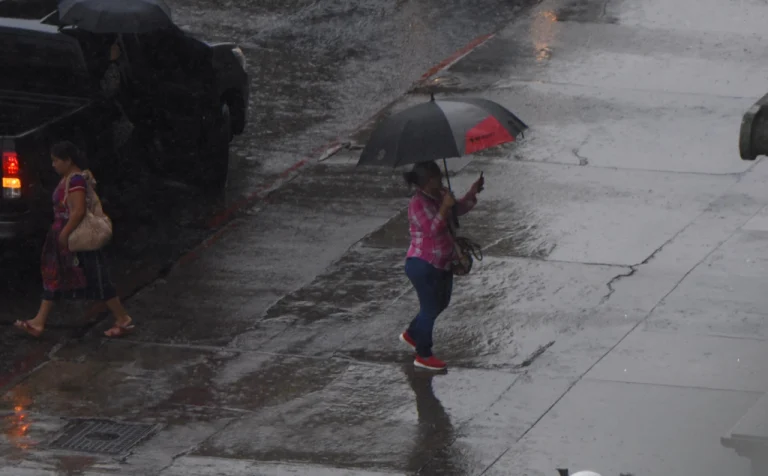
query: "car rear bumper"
15, 226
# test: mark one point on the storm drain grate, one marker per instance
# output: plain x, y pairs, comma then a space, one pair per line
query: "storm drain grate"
102, 436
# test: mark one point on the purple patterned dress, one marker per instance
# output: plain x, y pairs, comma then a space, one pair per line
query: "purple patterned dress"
66, 274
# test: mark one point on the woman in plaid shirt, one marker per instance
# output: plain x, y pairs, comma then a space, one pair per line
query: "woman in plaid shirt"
428, 262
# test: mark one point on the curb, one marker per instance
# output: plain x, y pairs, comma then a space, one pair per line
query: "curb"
285, 176
335, 146
223, 221
457, 56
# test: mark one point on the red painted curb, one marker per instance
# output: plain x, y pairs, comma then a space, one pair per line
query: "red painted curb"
224, 216
195, 253
23, 366
479, 41
333, 147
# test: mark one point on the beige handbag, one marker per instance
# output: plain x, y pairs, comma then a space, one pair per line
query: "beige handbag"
95, 231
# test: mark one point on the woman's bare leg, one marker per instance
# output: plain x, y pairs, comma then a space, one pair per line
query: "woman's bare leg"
36, 325
42, 315
122, 318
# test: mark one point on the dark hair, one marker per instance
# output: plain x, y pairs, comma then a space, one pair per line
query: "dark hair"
420, 174
66, 150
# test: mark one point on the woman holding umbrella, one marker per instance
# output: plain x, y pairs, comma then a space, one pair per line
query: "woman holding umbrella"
420, 135
429, 258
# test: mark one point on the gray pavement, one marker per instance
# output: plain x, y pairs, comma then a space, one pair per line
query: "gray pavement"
319, 70
615, 324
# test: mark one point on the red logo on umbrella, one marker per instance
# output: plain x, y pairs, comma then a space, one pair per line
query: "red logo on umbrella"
488, 133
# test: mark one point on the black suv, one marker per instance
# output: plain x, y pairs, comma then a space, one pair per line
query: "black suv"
190, 96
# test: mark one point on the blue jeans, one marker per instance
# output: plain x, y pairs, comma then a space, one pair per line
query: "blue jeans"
434, 287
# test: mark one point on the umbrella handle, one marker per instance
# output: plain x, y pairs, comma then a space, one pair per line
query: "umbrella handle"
455, 208
455, 216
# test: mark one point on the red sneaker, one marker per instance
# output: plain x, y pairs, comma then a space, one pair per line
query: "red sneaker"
406, 338
431, 363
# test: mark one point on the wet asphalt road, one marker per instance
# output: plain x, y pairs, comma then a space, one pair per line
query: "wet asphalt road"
319, 70
616, 323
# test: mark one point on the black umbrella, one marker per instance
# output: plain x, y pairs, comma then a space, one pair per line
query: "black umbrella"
439, 130
116, 16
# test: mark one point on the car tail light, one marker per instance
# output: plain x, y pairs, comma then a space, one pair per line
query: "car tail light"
11, 176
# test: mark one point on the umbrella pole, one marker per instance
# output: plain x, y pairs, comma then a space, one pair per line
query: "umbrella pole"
454, 215
447, 177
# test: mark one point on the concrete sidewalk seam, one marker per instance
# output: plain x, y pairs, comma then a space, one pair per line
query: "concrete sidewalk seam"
636, 326
704, 334
541, 417
39, 360
353, 246
635, 267
307, 466
334, 355
653, 309
16, 380
178, 455
642, 321
633, 169
467, 422
669, 385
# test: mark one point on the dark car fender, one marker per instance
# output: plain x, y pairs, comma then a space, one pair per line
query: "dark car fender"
231, 82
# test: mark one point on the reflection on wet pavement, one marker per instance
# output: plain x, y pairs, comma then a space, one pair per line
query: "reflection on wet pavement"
543, 31
435, 431
17, 424
615, 322
318, 69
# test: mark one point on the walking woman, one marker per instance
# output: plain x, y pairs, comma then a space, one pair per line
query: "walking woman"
428, 262
66, 274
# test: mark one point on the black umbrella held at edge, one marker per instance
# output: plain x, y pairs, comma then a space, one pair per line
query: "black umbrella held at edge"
116, 16
439, 130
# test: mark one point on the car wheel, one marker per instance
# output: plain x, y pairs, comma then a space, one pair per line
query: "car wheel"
237, 108
215, 166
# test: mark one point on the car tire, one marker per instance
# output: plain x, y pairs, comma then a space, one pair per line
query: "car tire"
214, 169
237, 108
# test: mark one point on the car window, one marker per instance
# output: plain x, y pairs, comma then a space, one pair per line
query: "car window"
36, 64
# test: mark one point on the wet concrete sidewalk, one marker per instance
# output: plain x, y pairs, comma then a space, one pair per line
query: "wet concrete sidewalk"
616, 322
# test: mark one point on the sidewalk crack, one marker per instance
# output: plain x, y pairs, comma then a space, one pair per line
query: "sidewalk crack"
583, 161
634, 268
614, 280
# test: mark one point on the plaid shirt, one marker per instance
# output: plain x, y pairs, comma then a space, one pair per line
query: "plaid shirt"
431, 239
